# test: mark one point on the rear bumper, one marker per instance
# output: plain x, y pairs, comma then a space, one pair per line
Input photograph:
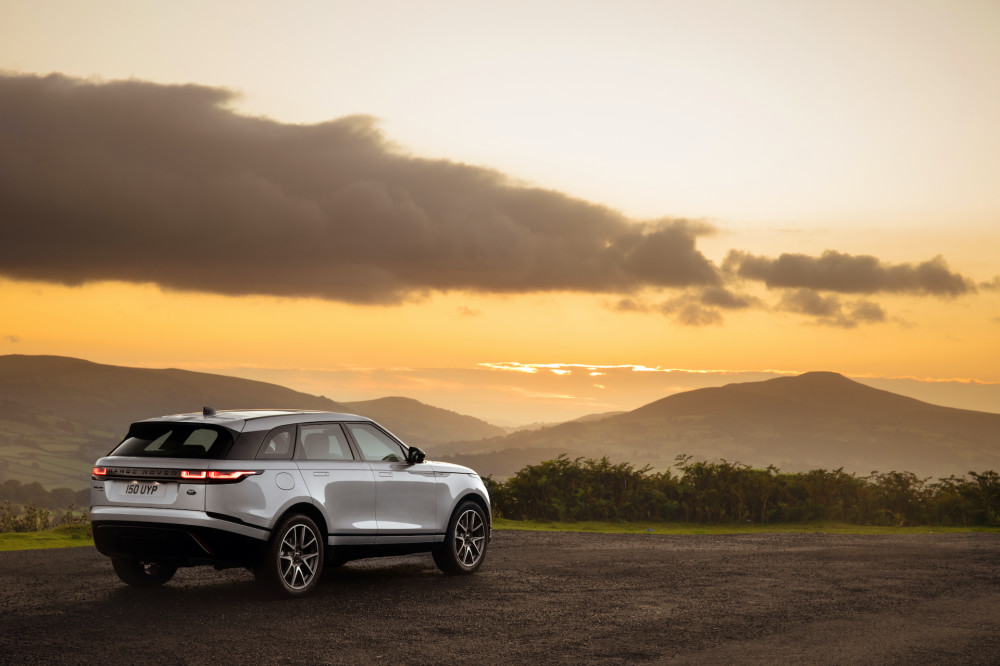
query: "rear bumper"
177, 537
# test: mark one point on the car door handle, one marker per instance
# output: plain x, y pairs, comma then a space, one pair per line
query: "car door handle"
385, 473
321, 474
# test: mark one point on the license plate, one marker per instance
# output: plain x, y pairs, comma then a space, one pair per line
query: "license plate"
143, 489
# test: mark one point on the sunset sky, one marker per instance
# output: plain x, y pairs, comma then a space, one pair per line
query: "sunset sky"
523, 211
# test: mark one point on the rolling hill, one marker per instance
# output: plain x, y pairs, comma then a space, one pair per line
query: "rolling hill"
814, 420
58, 414
423, 424
114, 396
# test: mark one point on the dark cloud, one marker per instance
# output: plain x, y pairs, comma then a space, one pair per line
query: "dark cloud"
701, 308
845, 273
805, 301
830, 310
142, 182
688, 310
12, 338
724, 298
694, 314
867, 312
694, 307
630, 305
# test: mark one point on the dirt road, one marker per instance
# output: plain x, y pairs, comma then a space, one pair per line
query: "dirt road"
542, 598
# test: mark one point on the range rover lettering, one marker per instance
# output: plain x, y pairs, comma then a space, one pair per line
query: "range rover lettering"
281, 493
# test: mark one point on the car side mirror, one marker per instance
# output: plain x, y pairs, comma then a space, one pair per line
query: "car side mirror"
415, 456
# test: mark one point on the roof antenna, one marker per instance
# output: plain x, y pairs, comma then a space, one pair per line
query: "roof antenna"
208, 411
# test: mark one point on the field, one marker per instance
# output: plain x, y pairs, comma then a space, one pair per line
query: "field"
67, 536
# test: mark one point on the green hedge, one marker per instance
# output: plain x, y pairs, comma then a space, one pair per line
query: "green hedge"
724, 492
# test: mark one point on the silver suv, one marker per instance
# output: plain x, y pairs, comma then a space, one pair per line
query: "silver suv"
281, 493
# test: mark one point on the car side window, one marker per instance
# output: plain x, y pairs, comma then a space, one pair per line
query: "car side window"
323, 441
375, 445
277, 444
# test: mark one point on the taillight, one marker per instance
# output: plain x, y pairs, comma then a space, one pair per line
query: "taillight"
217, 476
228, 476
99, 471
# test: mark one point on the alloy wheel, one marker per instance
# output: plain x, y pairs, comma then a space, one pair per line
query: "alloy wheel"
298, 556
470, 534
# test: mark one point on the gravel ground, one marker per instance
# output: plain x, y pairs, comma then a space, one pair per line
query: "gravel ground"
540, 597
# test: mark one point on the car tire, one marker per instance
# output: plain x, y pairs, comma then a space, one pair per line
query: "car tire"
293, 561
465, 543
140, 574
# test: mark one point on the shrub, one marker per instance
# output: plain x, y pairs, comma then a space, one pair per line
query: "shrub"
724, 492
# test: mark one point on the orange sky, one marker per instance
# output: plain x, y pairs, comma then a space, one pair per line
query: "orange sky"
434, 350
866, 129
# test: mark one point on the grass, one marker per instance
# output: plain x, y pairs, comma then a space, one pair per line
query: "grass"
691, 528
58, 537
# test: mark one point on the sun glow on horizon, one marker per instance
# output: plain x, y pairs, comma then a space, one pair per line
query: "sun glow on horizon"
594, 369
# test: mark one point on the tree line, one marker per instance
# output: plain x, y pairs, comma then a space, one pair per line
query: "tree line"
31, 518
15, 492
29, 507
723, 492
578, 489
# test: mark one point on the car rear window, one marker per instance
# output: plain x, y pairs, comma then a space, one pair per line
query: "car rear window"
175, 440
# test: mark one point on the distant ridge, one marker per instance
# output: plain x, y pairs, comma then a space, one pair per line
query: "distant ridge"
114, 396
824, 390
422, 422
58, 414
814, 420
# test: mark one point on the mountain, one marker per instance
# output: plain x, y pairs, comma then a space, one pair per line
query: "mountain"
538, 425
814, 420
596, 417
58, 414
114, 396
423, 423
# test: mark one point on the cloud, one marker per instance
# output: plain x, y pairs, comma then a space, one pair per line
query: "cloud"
701, 308
141, 182
630, 305
845, 273
830, 310
14, 339
694, 314
724, 298
693, 308
688, 310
